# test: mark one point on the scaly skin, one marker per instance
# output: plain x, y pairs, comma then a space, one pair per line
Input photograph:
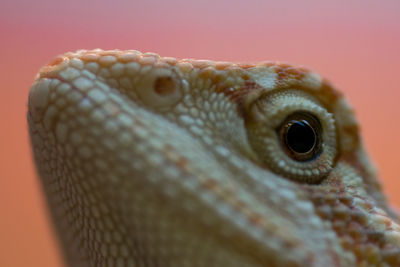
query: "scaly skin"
150, 161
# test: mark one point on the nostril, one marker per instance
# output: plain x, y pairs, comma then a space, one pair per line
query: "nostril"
165, 86
160, 88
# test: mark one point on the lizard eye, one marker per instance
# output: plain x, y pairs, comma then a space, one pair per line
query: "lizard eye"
293, 135
300, 136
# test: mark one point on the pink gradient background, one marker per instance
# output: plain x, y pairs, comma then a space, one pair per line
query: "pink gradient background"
356, 44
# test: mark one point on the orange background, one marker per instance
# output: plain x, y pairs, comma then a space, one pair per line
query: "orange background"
356, 44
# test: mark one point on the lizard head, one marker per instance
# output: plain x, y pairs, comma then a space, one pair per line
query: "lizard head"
152, 161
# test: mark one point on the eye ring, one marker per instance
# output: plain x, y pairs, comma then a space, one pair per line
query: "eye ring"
272, 121
301, 136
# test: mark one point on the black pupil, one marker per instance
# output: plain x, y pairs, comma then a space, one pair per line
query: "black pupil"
300, 137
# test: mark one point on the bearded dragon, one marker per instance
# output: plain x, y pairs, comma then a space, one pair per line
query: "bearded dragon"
153, 161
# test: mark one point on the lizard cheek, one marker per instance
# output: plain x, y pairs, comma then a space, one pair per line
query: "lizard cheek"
159, 88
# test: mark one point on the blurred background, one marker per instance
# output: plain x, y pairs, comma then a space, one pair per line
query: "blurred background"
355, 44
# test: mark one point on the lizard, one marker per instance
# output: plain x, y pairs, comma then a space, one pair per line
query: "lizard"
152, 161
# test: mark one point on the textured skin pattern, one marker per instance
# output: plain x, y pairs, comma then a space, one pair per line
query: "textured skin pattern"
150, 161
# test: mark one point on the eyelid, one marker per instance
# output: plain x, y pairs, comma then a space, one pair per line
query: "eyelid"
274, 108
